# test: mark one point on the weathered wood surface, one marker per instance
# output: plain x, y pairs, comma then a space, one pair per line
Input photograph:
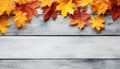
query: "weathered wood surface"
60, 64
59, 47
58, 52
61, 27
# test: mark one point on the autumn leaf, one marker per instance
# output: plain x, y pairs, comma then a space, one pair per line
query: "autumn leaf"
117, 2
100, 6
29, 8
46, 3
80, 18
113, 1
50, 11
22, 1
84, 3
77, 2
4, 23
65, 6
115, 12
20, 18
97, 23
6, 6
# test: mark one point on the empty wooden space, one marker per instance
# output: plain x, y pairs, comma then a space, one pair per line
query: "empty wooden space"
60, 64
60, 47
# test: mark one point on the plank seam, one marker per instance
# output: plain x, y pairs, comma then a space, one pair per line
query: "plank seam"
58, 35
59, 58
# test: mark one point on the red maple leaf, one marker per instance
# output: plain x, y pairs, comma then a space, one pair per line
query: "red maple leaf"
29, 8
50, 11
79, 18
115, 11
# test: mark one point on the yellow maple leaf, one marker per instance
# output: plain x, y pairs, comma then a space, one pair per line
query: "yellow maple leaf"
44, 3
100, 6
85, 2
6, 6
4, 23
65, 6
97, 23
20, 18
22, 1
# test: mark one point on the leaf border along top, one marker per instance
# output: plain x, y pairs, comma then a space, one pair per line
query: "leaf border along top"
24, 9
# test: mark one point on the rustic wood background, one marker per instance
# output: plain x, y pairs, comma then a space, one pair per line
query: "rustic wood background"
56, 45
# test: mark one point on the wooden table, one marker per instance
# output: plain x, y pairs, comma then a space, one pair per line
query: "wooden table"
56, 45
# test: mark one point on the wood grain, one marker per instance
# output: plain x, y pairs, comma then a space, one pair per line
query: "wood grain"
60, 47
60, 52
60, 64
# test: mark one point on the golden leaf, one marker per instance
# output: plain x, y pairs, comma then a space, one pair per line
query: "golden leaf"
4, 23
20, 18
65, 6
97, 23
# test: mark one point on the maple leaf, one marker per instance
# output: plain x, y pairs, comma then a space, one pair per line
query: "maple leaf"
115, 12
77, 2
29, 8
21, 1
46, 3
24, 1
65, 6
115, 2
80, 18
50, 11
97, 23
85, 2
100, 6
20, 18
6, 6
118, 1
4, 23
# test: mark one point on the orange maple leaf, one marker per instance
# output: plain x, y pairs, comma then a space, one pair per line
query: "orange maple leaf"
118, 1
100, 6
4, 23
79, 18
84, 3
20, 18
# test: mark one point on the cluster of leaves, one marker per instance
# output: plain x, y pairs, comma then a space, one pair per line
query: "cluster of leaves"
21, 11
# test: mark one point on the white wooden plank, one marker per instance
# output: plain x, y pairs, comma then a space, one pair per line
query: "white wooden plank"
60, 64
59, 47
61, 27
